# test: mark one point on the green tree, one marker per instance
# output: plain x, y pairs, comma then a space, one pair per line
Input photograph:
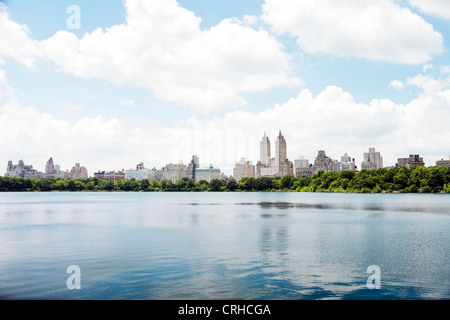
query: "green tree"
250, 184
216, 185
263, 184
232, 185
287, 182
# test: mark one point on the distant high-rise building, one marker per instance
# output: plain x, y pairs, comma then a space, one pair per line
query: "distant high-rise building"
347, 163
21, 170
79, 172
243, 169
193, 165
413, 160
372, 160
50, 167
323, 163
279, 166
264, 149
301, 167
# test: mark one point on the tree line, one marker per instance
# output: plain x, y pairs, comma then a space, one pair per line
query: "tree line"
398, 179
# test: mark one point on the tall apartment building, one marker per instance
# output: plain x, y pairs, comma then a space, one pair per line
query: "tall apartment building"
243, 169
192, 166
274, 167
372, 160
22, 170
79, 172
50, 167
347, 163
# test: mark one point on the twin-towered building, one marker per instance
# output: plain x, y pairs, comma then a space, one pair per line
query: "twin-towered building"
278, 166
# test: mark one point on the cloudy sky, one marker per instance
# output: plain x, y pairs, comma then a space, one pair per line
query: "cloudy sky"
111, 83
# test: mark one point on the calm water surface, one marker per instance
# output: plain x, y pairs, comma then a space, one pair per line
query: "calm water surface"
224, 245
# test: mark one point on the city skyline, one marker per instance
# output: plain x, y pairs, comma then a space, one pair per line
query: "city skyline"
267, 165
113, 83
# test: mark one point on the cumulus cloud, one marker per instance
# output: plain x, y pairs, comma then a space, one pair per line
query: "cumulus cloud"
161, 47
16, 42
376, 30
332, 121
438, 8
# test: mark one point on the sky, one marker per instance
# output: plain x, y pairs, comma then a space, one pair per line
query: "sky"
113, 83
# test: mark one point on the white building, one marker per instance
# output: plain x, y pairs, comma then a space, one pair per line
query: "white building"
347, 163
243, 169
372, 160
140, 173
300, 163
207, 174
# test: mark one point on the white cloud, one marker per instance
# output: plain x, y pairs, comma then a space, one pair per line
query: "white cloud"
427, 67
127, 102
332, 121
376, 30
438, 8
161, 47
16, 42
397, 85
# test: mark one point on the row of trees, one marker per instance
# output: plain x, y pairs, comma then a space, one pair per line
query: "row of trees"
398, 179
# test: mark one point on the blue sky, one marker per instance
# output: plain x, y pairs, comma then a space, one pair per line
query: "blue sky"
153, 84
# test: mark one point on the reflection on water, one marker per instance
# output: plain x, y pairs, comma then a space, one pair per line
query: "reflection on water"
224, 246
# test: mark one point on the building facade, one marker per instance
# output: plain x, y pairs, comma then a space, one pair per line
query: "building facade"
443, 163
140, 173
279, 166
372, 160
22, 170
171, 172
79, 172
50, 167
243, 169
347, 163
192, 167
110, 175
413, 160
207, 174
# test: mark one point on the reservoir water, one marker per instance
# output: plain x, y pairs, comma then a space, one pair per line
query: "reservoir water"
251, 246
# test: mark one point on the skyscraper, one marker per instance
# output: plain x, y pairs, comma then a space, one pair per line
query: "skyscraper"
264, 149
279, 166
50, 167
193, 165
